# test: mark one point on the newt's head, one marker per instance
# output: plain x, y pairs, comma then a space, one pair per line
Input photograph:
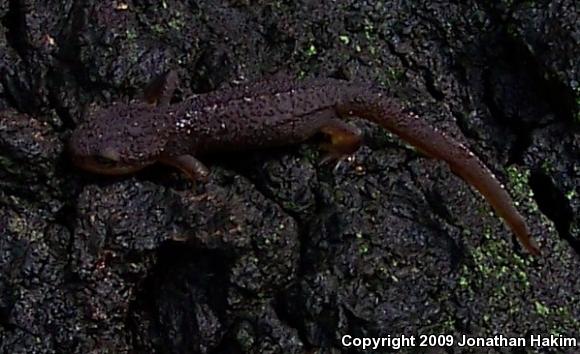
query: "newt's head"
121, 139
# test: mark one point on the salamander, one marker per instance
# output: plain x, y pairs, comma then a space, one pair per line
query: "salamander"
127, 137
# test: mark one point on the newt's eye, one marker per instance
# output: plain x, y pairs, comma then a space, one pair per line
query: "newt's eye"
104, 160
110, 154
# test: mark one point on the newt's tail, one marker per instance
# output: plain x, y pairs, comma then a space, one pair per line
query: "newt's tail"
373, 105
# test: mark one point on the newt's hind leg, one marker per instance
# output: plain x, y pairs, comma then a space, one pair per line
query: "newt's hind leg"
343, 139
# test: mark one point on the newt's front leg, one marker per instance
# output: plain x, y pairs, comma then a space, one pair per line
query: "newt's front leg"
192, 167
160, 90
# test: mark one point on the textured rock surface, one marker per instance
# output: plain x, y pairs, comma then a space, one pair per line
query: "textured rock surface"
277, 254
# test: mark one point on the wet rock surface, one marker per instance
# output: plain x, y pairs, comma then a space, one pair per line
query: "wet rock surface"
278, 253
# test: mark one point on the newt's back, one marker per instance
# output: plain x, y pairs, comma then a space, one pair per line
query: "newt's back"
267, 113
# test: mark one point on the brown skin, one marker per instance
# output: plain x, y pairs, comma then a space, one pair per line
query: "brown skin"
128, 137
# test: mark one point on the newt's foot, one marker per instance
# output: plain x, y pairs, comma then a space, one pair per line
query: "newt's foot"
160, 91
334, 160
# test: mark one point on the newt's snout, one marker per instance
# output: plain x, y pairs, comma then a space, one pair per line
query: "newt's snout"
113, 142
96, 158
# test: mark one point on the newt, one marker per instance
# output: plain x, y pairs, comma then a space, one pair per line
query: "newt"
126, 137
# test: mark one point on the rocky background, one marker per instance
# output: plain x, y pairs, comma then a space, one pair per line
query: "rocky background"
277, 253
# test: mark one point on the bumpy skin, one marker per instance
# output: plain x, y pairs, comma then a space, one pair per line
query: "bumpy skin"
126, 138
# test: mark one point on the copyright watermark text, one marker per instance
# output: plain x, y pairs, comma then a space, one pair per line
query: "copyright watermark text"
448, 340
